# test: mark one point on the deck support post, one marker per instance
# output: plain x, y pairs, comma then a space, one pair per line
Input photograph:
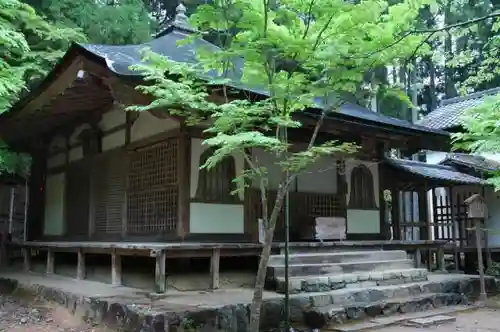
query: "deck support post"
418, 258
480, 262
160, 278
440, 260
214, 267
116, 269
50, 261
80, 267
26, 259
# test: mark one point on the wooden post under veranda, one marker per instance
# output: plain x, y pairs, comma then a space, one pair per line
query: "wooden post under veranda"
477, 211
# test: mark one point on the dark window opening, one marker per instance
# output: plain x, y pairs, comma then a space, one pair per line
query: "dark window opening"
362, 190
216, 184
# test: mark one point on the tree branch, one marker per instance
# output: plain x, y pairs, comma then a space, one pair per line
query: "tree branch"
309, 16
431, 32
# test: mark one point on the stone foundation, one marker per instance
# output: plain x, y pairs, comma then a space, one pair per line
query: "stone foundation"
315, 309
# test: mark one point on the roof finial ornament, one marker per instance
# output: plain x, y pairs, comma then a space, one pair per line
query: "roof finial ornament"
181, 19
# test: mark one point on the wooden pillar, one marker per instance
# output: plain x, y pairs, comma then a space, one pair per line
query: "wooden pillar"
384, 226
129, 121
160, 271
418, 258
36, 193
215, 267
441, 265
4, 256
456, 229
423, 219
487, 250
50, 261
26, 259
480, 263
184, 178
116, 269
395, 213
80, 267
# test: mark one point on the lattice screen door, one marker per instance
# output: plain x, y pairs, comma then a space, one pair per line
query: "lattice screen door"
152, 193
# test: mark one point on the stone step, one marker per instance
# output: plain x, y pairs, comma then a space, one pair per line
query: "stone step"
381, 322
296, 270
339, 257
325, 247
324, 283
333, 315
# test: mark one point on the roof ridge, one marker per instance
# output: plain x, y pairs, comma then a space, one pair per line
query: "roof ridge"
474, 95
418, 162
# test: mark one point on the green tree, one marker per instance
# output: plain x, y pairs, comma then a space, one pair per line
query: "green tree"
481, 124
103, 22
300, 52
30, 47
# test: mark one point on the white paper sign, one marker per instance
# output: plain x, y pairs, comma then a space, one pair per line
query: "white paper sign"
330, 228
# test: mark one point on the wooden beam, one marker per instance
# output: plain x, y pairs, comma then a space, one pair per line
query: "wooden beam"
56, 87
160, 271
116, 269
126, 94
50, 261
80, 267
215, 268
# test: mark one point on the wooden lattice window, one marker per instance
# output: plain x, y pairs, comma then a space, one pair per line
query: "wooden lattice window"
152, 195
216, 184
362, 189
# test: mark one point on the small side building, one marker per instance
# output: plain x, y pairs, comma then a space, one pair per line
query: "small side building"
446, 203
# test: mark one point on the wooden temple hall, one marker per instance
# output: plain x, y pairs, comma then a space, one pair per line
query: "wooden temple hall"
111, 182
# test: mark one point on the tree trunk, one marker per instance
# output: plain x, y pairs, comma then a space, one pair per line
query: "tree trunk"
413, 91
432, 84
256, 305
449, 84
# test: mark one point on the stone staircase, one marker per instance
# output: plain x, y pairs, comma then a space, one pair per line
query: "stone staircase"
329, 289
320, 272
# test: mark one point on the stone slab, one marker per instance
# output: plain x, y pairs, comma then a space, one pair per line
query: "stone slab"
327, 282
311, 269
378, 323
430, 321
339, 257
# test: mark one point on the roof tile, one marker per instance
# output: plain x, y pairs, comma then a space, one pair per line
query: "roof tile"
449, 113
434, 172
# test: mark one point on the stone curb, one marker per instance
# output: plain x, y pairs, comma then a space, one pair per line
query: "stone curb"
227, 318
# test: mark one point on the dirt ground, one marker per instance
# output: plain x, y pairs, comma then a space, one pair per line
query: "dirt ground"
483, 320
23, 314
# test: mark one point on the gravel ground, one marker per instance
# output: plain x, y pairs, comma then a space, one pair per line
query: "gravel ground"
23, 314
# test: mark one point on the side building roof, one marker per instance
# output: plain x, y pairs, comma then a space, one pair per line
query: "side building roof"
449, 113
471, 161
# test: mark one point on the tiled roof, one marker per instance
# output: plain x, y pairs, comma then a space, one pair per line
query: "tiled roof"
450, 111
434, 172
473, 161
119, 58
